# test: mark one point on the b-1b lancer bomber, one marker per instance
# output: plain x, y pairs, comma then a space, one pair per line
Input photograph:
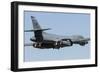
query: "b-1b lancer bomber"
44, 40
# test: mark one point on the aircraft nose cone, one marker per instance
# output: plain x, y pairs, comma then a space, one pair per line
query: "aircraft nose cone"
88, 38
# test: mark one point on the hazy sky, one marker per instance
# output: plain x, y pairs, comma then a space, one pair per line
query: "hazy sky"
66, 24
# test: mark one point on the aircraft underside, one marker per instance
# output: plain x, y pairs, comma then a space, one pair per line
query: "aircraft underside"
53, 44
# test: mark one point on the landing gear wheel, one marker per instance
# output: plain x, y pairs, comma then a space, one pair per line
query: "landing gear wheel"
82, 44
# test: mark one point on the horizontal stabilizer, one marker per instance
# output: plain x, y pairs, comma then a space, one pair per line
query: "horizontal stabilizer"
36, 30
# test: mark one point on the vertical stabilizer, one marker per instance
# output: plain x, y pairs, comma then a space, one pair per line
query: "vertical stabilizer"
35, 23
37, 30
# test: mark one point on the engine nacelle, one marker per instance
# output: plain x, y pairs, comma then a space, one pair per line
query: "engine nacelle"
67, 42
63, 43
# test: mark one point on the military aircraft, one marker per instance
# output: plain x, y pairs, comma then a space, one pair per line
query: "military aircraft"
44, 40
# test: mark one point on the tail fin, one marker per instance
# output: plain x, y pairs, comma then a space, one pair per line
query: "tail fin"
36, 26
35, 23
37, 30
